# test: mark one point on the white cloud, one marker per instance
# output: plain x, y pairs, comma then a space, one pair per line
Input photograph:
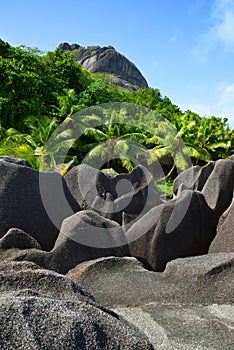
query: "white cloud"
220, 32
199, 108
221, 104
225, 100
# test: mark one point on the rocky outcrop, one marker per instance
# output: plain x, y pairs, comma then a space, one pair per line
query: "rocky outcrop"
16, 238
83, 236
186, 302
204, 280
180, 228
34, 202
155, 232
107, 60
112, 196
15, 160
215, 180
218, 189
224, 239
190, 303
40, 309
194, 178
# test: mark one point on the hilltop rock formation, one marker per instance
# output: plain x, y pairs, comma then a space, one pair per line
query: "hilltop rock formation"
107, 60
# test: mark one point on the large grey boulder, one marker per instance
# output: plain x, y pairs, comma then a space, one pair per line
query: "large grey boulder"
86, 235
40, 309
179, 228
86, 183
111, 196
186, 178
188, 306
136, 193
16, 238
15, 160
184, 328
83, 236
224, 239
194, 178
201, 280
34, 202
107, 60
218, 189
215, 180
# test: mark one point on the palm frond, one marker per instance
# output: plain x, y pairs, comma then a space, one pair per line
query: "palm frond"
96, 151
95, 133
158, 153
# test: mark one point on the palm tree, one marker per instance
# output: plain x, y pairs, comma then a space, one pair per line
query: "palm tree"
208, 138
33, 145
13, 143
68, 103
167, 143
114, 139
179, 145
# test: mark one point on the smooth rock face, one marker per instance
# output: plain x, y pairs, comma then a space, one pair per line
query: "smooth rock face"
20, 276
218, 189
188, 306
108, 60
194, 178
83, 236
34, 202
180, 228
40, 318
133, 194
177, 327
16, 238
202, 280
14, 160
187, 178
224, 239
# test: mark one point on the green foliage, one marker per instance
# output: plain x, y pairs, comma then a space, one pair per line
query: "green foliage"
113, 138
39, 91
29, 82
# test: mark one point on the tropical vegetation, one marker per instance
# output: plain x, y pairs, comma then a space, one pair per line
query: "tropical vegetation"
47, 117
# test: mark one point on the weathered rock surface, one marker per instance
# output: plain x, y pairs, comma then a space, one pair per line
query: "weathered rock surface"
194, 178
188, 306
201, 280
86, 235
43, 310
108, 60
14, 160
111, 196
16, 238
34, 202
180, 228
224, 239
218, 189
185, 328
83, 236
215, 180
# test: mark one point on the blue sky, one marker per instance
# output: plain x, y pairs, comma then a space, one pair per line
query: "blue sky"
184, 48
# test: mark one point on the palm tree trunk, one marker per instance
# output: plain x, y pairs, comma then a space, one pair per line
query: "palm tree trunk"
169, 174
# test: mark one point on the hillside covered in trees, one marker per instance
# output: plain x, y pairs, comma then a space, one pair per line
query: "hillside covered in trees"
39, 92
